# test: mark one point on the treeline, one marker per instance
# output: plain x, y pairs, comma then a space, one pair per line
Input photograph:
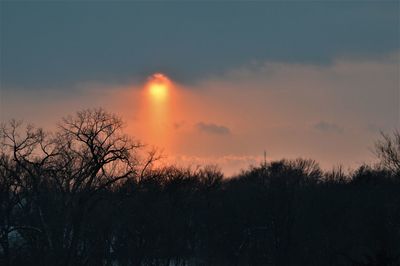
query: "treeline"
86, 195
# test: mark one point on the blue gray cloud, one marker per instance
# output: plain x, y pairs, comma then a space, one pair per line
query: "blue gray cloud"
57, 45
324, 126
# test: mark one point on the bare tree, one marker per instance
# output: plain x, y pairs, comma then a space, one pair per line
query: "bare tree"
87, 154
91, 145
94, 154
388, 151
23, 153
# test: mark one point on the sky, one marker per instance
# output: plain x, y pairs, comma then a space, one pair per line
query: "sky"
312, 79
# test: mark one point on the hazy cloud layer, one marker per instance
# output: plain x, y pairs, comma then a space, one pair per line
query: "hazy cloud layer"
289, 110
324, 126
213, 128
231, 164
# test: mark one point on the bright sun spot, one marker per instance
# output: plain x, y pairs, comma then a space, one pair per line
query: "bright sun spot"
158, 85
158, 91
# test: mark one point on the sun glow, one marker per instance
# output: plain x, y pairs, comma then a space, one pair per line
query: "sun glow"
159, 92
158, 86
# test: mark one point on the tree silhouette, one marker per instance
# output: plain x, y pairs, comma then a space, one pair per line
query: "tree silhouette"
387, 150
86, 195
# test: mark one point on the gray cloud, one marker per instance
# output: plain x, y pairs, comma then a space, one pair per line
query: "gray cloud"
124, 41
179, 125
213, 128
324, 126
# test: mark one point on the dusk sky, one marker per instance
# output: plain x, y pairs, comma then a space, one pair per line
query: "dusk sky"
312, 79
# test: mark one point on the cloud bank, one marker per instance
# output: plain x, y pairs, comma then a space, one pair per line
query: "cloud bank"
324, 112
118, 41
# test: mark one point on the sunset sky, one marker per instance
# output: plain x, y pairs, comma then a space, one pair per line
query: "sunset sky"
211, 82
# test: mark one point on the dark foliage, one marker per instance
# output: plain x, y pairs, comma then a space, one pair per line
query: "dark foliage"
83, 196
